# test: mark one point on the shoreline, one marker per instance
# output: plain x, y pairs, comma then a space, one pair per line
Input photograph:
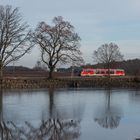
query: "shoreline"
70, 82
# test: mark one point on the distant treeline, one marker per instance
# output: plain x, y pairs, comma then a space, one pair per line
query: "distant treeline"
131, 67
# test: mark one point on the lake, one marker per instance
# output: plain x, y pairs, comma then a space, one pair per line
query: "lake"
70, 114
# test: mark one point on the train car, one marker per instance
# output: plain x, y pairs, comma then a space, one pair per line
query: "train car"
88, 72
102, 72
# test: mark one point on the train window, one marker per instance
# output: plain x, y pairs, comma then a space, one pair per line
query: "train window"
111, 72
102, 72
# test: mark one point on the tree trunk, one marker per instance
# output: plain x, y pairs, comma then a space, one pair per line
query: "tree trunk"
50, 73
108, 76
108, 67
1, 76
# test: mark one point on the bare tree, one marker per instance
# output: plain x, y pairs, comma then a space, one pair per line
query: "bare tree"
14, 36
107, 54
58, 43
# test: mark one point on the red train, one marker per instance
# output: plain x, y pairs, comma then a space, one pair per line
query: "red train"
102, 72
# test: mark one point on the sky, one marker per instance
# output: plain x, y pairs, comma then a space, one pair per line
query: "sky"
96, 21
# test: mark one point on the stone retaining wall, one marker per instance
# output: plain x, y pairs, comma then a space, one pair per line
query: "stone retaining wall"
29, 83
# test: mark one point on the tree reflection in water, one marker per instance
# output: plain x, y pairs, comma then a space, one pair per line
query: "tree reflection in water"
52, 129
1, 95
71, 110
108, 116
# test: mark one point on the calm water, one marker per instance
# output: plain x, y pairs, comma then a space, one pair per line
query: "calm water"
72, 114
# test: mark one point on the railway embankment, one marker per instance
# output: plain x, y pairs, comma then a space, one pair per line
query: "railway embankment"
67, 82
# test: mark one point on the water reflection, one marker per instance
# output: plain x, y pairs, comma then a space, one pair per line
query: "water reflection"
1, 104
67, 114
52, 129
61, 121
41, 105
51, 102
64, 108
108, 116
134, 96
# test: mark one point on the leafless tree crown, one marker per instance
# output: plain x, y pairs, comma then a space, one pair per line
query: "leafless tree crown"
107, 53
14, 36
58, 43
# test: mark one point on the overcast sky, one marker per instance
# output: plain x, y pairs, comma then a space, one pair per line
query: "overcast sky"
96, 21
